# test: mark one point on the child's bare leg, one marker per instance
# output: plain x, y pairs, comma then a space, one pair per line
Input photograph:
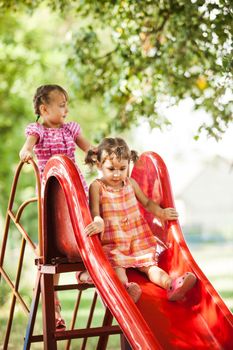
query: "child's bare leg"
157, 276
176, 288
132, 288
121, 273
56, 299
55, 282
60, 323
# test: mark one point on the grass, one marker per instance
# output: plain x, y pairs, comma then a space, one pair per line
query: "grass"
216, 262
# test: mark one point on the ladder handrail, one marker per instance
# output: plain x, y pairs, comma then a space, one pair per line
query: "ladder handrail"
10, 215
16, 218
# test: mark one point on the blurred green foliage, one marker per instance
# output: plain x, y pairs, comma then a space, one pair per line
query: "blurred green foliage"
32, 53
160, 53
137, 55
25, 56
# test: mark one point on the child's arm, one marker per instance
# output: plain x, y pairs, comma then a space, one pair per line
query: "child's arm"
82, 143
97, 225
26, 151
151, 206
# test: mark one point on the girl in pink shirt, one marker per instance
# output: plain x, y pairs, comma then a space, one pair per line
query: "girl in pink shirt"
53, 136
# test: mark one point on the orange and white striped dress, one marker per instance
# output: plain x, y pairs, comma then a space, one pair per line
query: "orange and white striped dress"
127, 240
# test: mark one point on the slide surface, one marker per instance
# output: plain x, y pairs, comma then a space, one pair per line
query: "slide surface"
201, 321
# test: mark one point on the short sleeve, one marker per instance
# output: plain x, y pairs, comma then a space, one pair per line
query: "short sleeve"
34, 129
74, 129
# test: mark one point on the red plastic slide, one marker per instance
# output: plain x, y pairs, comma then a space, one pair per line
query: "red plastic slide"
202, 321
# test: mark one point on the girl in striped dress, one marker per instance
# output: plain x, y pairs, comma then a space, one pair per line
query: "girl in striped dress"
53, 136
125, 236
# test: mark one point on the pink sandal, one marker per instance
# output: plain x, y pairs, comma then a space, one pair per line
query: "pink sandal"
180, 286
78, 275
134, 290
60, 324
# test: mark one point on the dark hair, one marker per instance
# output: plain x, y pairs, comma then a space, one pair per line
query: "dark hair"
42, 96
109, 147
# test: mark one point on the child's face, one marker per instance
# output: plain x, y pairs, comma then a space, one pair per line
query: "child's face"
55, 112
114, 171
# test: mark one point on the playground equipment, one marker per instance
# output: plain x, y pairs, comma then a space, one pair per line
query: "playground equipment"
202, 321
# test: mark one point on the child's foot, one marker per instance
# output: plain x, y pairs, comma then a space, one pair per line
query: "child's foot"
60, 324
134, 290
180, 286
83, 277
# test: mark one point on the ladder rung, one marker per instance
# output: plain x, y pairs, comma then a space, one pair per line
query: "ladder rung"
36, 338
88, 332
81, 333
76, 286
59, 268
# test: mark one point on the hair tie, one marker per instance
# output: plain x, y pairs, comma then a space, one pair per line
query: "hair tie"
94, 150
37, 118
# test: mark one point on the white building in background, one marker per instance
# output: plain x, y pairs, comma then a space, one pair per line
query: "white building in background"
206, 203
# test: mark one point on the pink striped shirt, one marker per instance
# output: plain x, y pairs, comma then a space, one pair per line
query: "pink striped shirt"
53, 141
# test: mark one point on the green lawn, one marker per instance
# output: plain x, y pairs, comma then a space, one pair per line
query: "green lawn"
215, 261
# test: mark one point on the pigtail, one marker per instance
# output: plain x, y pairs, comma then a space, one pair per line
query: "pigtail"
91, 158
133, 156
